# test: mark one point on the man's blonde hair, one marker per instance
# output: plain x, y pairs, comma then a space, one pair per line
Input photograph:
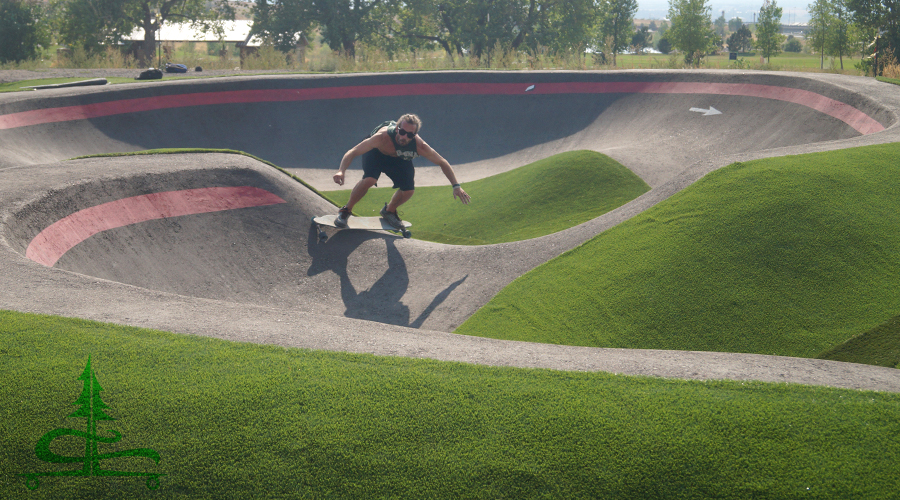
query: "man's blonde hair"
411, 119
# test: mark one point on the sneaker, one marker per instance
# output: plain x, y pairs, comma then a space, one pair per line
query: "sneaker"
391, 217
343, 216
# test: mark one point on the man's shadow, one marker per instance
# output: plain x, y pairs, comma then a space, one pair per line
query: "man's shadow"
382, 301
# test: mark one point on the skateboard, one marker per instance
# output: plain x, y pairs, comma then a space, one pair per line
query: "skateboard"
365, 223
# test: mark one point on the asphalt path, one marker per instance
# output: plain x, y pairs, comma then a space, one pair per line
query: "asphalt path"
221, 245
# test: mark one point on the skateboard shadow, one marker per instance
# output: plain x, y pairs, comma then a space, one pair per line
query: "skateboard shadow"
381, 302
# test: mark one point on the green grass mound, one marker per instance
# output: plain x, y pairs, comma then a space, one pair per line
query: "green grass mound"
878, 346
789, 256
535, 200
232, 420
17, 86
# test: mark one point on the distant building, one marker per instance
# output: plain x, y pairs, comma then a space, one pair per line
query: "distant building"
796, 29
174, 36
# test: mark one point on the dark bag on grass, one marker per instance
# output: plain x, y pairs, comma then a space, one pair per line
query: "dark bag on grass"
176, 68
150, 74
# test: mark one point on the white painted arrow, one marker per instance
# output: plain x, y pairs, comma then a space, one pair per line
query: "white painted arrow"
707, 112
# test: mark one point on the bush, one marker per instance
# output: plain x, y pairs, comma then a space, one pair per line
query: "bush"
793, 45
664, 46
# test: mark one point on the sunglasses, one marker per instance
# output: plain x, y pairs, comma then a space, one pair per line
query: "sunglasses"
411, 135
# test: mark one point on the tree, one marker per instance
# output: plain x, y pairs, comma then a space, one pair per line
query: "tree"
642, 38
415, 25
691, 30
93, 25
481, 25
735, 24
345, 22
342, 23
819, 22
881, 18
22, 30
830, 29
552, 24
838, 40
96, 24
741, 40
567, 25
281, 23
768, 30
616, 24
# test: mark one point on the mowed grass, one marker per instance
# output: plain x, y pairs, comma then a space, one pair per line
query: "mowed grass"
785, 61
541, 198
878, 346
233, 420
790, 256
18, 85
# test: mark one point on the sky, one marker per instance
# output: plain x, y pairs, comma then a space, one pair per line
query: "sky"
793, 11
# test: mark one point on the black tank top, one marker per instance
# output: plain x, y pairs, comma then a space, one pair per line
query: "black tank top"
407, 152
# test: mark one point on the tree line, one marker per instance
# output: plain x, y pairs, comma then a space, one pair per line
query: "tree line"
457, 27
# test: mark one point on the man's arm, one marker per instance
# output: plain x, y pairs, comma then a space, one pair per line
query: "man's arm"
425, 151
361, 148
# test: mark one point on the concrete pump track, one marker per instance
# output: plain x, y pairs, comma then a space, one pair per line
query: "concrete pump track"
221, 245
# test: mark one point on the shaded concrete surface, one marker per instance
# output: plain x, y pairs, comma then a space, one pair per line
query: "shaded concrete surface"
259, 274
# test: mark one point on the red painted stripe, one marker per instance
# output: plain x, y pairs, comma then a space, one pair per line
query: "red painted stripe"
855, 118
54, 241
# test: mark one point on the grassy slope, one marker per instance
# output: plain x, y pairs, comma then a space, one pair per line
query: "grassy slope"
878, 346
788, 256
248, 421
540, 198
17, 86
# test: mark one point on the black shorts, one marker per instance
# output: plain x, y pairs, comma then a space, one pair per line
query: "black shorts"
397, 169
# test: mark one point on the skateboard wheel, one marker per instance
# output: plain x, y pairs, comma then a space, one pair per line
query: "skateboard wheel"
323, 236
407, 234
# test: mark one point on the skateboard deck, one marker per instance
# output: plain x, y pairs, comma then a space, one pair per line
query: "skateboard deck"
364, 223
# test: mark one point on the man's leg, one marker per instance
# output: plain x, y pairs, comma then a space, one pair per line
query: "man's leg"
403, 174
399, 198
359, 190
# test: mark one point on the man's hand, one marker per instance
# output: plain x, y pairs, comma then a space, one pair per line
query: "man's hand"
339, 178
463, 196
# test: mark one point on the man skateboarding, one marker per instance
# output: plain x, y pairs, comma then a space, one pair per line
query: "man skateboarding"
389, 150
